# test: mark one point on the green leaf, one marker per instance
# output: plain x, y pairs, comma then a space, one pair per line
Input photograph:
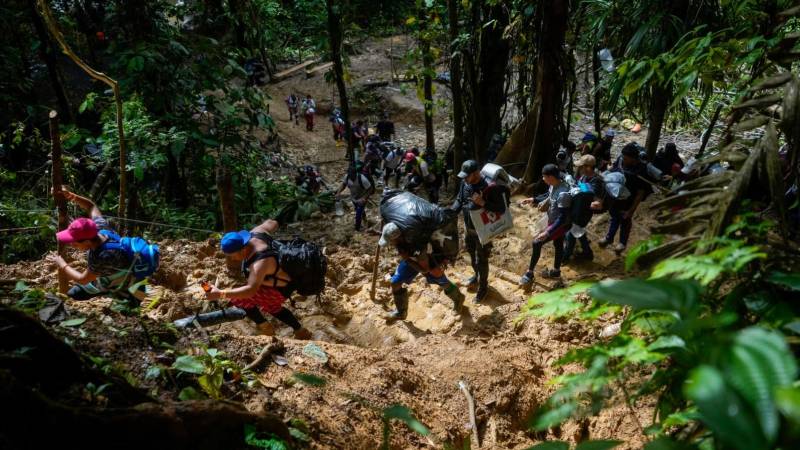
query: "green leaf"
551, 445
789, 281
406, 416
598, 445
153, 372
556, 303
665, 443
211, 383
267, 442
666, 342
311, 380
554, 416
788, 402
21, 286
658, 295
794, 326
73, 322
188, 364
190, 393
722, 410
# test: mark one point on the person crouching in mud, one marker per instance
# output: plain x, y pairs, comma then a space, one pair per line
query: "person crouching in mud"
414, 261
267, 287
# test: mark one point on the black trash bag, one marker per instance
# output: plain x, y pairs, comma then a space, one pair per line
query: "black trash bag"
212, 318
418, 219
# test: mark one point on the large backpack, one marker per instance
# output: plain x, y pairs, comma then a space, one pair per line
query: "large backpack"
581, 210
144, 256
304, 261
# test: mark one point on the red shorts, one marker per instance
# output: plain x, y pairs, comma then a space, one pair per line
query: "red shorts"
267, 299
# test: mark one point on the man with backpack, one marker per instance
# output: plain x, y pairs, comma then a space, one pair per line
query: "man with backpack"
418, 174
361, 188
587, 197
557, 204
623, 209
291, 104
116, 266
385, 128
309, 108
269, 283
373, 156
392, 160
475, 193
415, 259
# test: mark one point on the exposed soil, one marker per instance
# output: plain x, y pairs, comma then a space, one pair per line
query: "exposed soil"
417, 363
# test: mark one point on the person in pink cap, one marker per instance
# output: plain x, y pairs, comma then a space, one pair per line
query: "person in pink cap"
108, 266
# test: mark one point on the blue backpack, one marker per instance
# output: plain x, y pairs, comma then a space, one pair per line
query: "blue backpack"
145, 256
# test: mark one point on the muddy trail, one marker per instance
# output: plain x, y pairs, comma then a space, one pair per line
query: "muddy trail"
371, 364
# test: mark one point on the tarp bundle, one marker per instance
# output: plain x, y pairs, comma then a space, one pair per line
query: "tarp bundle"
419, 220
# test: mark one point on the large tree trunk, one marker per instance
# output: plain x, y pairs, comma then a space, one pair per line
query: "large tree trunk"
427, 79
485, 76
335, 34
47, 53
61, 203
455, 88
658, 112
537, 138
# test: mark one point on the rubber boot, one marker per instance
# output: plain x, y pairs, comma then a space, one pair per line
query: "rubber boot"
456, 296
212, 318
401, 305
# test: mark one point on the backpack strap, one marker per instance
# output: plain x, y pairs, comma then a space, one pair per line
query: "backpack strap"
264, 254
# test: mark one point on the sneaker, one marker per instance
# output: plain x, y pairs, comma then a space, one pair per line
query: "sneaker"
480, 295
302, 334
619, 248
551, 273
526, 279
395, 315
603, 243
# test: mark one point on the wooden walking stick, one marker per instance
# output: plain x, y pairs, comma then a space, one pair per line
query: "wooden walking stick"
375, 271
61, 204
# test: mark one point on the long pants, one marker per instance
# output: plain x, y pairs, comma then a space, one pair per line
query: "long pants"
284, 315
359, 213
558, 243
309, 122
479, 258
387, 175
85, 292
569, 246
619, 223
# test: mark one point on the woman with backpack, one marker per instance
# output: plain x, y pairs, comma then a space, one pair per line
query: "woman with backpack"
110, 265
268, 285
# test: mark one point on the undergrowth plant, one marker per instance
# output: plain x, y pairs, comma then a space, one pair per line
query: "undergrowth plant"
708, 336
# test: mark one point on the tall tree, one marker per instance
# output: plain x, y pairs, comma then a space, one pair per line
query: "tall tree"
335, 35
455, 85
47, 52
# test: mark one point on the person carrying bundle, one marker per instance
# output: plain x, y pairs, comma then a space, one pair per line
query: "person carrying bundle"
426, 238
117, 266
271, 268
587, 198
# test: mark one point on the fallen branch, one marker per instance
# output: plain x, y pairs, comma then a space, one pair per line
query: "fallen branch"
275, 346
471, 405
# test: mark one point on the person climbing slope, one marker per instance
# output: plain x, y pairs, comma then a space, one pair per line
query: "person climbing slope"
589, 181
361, 187
291, 104
112, 268
268, 285
557, 204
309, 108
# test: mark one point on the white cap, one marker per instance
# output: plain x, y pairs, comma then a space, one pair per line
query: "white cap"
389, 233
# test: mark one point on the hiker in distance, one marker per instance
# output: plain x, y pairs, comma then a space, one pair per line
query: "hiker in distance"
268, 285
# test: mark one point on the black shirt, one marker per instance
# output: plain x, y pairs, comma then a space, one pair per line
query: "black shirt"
496, 198
385, 129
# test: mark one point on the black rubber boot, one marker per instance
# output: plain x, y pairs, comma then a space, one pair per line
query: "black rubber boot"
456, 296
401, 305
212, 318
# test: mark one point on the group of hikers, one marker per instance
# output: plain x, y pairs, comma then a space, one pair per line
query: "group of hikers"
307, 107
582, 182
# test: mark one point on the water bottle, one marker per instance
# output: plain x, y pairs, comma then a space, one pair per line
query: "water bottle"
606, 59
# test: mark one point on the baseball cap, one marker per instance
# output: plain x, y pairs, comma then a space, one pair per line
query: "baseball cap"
588, 137
586, 160
467, 168
234, 241
389, 233
79, 230
409, 157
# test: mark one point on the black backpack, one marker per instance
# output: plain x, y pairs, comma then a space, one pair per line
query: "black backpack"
302, 260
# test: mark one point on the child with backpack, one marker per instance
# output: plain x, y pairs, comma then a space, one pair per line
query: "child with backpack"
116, 266
361, 187
557, 204
266, 264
